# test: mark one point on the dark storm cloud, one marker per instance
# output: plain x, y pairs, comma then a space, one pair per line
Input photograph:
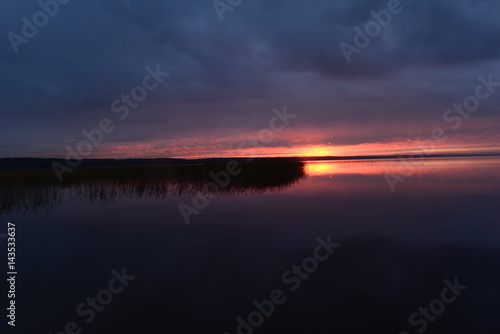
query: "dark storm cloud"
231, 73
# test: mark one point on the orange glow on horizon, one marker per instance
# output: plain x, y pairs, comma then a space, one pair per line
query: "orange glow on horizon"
302, 142
147, 150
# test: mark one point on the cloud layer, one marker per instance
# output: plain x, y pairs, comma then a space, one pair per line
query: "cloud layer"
226, 76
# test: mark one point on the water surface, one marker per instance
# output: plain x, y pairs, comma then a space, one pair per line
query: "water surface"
396, 249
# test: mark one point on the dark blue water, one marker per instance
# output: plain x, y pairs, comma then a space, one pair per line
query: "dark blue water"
393, 253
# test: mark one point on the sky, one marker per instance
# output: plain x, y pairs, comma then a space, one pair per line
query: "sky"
226, 71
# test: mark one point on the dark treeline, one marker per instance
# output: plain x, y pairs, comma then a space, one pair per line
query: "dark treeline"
416, 155
39, 190
41, 163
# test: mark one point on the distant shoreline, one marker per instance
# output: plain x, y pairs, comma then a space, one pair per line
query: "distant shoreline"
41, 163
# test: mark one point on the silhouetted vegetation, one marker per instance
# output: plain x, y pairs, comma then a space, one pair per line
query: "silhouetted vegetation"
38, 190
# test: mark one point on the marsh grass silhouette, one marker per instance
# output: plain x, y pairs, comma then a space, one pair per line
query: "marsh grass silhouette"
39, 191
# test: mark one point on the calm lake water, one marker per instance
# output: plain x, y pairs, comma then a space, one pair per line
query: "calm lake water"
393, 252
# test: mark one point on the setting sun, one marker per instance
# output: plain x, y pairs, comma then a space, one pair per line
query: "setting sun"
317, 151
